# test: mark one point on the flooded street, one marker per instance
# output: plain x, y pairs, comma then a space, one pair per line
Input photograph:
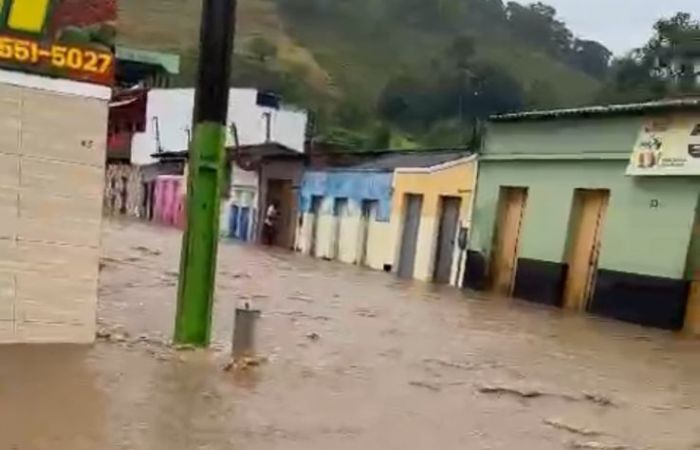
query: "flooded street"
354, 360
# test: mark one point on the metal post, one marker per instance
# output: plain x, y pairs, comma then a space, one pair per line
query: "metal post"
200, 240
244, 332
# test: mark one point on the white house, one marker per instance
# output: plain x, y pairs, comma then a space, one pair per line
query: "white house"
169, 129
679, 62
169, 123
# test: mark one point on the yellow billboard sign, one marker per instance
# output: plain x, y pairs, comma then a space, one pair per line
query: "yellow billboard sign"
667, 145
28, 15
60, 38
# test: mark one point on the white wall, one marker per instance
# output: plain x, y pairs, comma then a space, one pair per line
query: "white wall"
242, 192
173, 108
243, 178
377, 240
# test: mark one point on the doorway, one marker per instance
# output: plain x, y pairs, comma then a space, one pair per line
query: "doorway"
413, 207
583, 249
339, 211
369, 215
282, 192
692, 314
449, 220
233, 222
504, 256
316, 202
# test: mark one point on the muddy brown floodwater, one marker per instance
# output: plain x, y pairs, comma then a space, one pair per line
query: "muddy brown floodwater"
355, 360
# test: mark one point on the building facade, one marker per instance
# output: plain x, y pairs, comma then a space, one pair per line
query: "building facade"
345, 216
357, 214
593, 210
431, 216
239, 212
169, 122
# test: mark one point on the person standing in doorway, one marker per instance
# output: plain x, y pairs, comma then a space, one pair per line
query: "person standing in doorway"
270, 223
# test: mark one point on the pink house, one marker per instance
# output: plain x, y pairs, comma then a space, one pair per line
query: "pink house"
169, 200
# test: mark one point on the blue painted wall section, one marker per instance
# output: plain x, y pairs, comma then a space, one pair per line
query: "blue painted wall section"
356, 186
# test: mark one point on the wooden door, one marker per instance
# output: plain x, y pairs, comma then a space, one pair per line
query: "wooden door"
413, 206
587, 218
692, 315
504, 256
449, 220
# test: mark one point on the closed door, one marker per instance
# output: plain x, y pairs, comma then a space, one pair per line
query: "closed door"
504, 257
369, 215
413, 206
449, 220
339, 212
244, 224
316, 202
692, 315
587, 218
233, 222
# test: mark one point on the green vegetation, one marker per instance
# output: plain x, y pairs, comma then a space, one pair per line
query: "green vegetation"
644, 74
395, 72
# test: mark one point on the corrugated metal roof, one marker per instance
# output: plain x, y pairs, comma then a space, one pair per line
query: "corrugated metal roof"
168, 61
625, 109
412, 159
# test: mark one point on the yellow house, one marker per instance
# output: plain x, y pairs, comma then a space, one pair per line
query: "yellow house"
430, 219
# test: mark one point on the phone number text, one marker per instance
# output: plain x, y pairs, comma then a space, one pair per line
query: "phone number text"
58, 56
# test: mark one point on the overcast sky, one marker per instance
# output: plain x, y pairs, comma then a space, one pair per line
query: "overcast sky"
619, 24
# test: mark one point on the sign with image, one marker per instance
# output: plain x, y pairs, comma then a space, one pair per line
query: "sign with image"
71, 39
667, 145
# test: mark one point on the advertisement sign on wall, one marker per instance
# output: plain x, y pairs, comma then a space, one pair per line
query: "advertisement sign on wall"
71, 39
667, 145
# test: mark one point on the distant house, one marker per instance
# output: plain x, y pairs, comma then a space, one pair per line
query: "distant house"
263, 174
351, 213
154, 144
136, 71
169, 123
679, 62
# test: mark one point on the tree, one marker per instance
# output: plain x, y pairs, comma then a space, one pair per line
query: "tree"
262, 49
537, 24
591, 57
639, 75
381, 137
351, 114
541, 95
461, 51
672, 31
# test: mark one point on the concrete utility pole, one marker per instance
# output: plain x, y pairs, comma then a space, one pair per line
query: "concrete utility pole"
206, 161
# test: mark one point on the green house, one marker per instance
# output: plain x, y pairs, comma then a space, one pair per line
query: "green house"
593, 209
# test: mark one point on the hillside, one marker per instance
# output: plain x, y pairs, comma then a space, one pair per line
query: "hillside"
324, 60
173, 26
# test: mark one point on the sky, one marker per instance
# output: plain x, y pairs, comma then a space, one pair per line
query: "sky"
621, 25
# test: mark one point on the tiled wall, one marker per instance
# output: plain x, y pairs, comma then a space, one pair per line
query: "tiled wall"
52, 151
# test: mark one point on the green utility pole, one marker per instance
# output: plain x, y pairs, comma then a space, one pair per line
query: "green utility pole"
206, 164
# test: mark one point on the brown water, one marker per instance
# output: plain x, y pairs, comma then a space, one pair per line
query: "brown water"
396, 365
